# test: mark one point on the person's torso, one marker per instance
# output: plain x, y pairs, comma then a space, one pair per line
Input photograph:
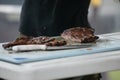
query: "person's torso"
51, 17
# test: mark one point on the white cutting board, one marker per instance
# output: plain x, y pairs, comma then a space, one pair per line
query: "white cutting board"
103, 44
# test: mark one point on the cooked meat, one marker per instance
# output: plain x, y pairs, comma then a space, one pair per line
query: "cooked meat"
40, 40
18, 41
78, 34
56, 43
49, 41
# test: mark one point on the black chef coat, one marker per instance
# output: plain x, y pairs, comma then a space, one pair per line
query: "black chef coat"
51, 17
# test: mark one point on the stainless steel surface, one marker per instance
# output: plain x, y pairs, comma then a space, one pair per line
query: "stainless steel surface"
69, 47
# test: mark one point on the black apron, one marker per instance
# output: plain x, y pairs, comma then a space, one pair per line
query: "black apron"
52, 17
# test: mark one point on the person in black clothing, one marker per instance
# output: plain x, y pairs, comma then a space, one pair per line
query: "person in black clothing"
1, 79
52, 17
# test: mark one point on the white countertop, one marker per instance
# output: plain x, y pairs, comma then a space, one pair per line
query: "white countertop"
64, 67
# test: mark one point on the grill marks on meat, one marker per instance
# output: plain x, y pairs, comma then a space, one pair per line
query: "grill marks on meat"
78, 34
35, 40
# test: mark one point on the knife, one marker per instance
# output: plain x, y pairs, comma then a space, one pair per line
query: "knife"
20, 48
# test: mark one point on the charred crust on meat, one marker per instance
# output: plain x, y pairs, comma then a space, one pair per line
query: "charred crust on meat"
79, 34
45, 40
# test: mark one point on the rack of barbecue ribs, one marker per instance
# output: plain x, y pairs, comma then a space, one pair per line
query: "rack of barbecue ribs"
76, 34
42, 40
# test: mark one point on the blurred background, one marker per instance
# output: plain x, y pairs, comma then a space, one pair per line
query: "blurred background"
9, 19
104, 16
